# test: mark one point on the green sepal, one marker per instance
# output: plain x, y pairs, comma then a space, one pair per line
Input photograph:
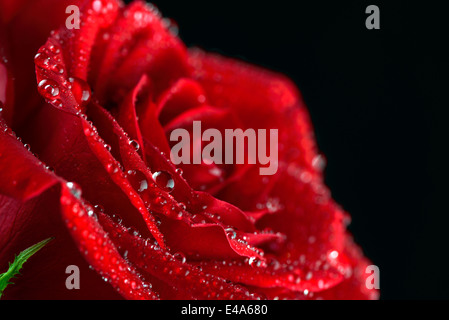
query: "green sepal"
16, 265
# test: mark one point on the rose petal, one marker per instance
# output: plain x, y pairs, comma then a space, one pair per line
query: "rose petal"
29, 20
173, 271
139, 43
100, 252
30, 212
219, 241
6, 81
83, 158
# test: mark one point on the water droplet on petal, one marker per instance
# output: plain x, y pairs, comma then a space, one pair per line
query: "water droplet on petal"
97, 5
231, 233
53, 49
81, 91
88, 131
42, 60
134, 144
57, 68
74, 189
160, 201
112, 168
319, 162
138, 180
333, 254
180, 257
57, 102
201, 98
48, 89
164, 180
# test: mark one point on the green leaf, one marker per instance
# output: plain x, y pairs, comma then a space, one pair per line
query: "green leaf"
13, 269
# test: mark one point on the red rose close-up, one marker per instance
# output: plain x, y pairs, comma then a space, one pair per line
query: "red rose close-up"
87, 119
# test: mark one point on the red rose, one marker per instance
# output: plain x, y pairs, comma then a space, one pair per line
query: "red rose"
95, 172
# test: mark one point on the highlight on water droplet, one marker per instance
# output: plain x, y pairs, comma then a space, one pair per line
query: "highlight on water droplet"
319, 162
143, 185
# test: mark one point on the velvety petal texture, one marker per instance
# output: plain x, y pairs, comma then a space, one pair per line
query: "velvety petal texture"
85, 158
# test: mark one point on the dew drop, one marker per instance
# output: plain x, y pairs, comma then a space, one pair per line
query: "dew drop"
231, 233
305, 177
41, 60
320, 284
134, 144
81, 91
319, 162
75, 190
53, 49
57, 102
57, 68
88, 131
91, 212
333, 255
97, 5
138, 180
112, 168
164, 180
180, 257
201, 99
251, 261
171, 25
48, 89
160, 201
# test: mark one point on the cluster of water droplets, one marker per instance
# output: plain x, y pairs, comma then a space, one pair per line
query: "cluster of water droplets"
174, 269
98, 248
55, 85
102, 7
48, 59
162, 180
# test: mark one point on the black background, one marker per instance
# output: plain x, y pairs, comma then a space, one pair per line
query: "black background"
376, 98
